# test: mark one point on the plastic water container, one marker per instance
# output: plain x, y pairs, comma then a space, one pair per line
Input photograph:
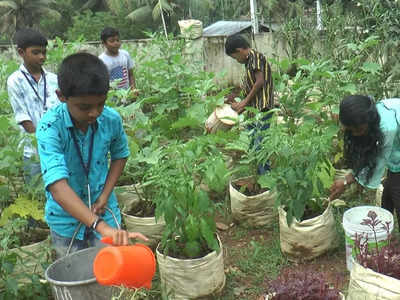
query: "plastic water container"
352, 220
131, 266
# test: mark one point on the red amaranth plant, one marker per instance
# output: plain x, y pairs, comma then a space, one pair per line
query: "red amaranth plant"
302, 285
384, 260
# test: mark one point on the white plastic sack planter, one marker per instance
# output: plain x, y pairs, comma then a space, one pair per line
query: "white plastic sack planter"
222, 118
366, 284
183, 279
255, 210
127, 196
191, 29
148, 226
307, 239
30, 258
128, 199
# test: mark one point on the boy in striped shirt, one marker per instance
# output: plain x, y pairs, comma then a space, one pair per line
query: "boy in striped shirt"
258, 87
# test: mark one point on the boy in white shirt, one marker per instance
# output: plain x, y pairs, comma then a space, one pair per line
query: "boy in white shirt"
31, 91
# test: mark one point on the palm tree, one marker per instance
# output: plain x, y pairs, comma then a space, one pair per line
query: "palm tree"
95, 5
169, 10
21, 13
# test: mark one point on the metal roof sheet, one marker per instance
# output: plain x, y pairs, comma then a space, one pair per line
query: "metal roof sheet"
226, 28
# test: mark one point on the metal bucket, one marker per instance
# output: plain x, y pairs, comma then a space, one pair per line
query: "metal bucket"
71, 277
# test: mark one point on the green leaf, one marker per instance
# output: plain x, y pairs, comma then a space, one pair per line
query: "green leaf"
12, 285
185, 122
371, 67
209, 234
192, 229
192, 249
23, 207
203, 202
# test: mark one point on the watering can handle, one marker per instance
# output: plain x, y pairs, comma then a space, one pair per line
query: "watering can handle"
108, 241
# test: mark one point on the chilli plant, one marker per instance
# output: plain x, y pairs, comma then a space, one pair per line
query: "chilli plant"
301, 170
187, 209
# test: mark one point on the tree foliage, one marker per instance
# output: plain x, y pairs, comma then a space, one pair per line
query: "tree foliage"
19, 13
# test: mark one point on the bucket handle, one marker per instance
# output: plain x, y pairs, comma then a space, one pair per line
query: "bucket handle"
80, 224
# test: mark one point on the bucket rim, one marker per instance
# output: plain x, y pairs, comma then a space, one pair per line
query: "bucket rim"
352, 228
69, 283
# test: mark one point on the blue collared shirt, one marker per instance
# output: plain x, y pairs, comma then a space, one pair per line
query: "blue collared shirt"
59, 159
389, 112
25, 102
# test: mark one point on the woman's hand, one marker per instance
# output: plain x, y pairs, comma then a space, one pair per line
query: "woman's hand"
337, 189
339, 186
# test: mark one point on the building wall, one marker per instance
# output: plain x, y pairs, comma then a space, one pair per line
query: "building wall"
217, 61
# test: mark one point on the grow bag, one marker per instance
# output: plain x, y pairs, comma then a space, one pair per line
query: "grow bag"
307, 239
31, 259
127, 196
148, 226
191, 29
366, 284
222, 118
255, 210
183, 279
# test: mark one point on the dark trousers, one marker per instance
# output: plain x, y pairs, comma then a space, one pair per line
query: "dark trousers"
256, 137
391, 193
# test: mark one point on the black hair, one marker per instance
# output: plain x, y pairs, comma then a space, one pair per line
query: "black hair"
361, 152
107, 33
83, 74
235, 41
28, 37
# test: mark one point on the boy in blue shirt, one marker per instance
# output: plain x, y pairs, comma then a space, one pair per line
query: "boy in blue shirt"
75, 141
31, 91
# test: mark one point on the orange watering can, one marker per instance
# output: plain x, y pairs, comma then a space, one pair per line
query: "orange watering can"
131, 266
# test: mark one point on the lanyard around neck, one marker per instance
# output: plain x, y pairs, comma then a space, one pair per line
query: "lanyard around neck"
86, 167
37, 91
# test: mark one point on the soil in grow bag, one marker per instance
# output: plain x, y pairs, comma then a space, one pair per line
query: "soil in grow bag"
178, 252
29, 236
249, 187
143, 209
309, 213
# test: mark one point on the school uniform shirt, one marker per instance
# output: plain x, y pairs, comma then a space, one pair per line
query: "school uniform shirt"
256, 62
389, 112
60, 159
26, 104
118, 67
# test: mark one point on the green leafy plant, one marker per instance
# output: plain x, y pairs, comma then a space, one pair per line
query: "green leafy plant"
301, 171
11, 182
24, 208
11, 260
245, 156
188, 212
181, 95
